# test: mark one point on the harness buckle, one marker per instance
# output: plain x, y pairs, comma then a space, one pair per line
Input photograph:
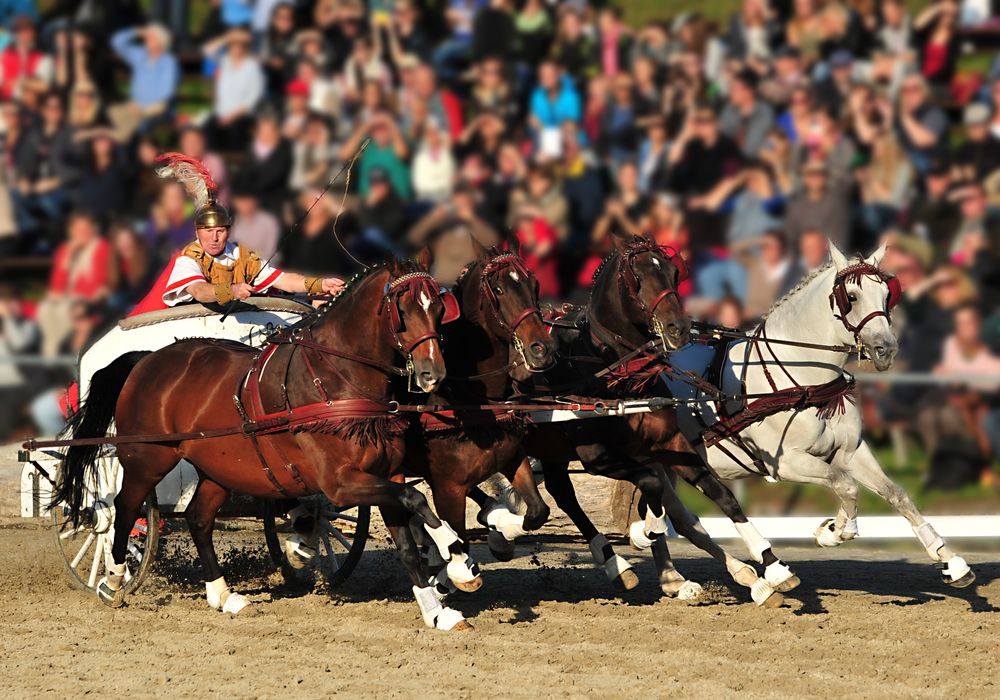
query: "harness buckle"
392, 407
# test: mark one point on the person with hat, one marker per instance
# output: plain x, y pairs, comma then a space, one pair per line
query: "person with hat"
822, 204
979, 154
239, 86
213, 269
155, 76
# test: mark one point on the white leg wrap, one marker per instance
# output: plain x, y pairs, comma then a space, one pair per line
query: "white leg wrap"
850, 530
656, 524
443, 537
510, 525
615, 567
221, 598
597, 546
442, 585
433, 613
777, 573
637, 536
760, 591
929, 538
116, 573
755, 544
954, 569
742, 573
462, 568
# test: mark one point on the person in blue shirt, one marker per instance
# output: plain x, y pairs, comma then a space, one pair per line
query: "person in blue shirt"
155, 74
553, 102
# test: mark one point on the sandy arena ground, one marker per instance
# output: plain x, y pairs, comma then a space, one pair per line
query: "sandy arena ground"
865, 623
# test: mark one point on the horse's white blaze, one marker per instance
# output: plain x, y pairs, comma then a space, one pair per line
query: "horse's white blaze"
514, 276
425, 301
656, 262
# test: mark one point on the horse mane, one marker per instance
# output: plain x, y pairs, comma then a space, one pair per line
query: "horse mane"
608, 259
802, 284
313, 319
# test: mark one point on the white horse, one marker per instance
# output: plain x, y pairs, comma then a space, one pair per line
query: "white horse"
844, 304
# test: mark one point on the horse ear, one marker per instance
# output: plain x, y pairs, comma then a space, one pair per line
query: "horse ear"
876, 258
513, 243
478, 249
838, 258
620, 240
425, 258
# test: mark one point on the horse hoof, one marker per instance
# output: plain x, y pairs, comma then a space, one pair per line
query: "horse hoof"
826, 535
682, 590
116, 598
627, 580
964, 581
469, 586
788, 585
773, 601
781, 577
462, 626
743, 573
501, 548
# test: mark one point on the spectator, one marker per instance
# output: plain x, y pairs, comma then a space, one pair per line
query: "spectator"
407, 36
314, 155
135, 269
253, 227
381, 217
979, 155
18, 333
814, 252
452, 54
534, 32
573, 50
770, 271
935, 32
746, 119
40, 197
541, 199
387, 150
554, 101
103, 186
537, 240
822, 203
277, 53
267, 166
155, 76
170, 227
433, 165
885, 185
239, 86
82, 275
494, 33
312, 247
757, 207
23, 66
919, 123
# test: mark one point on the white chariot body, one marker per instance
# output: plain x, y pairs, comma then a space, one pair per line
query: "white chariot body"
83, 547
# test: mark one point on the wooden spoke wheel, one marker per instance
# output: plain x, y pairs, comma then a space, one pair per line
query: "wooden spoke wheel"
82, 547
338, 535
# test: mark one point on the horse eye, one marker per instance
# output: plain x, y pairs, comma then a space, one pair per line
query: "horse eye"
498, 291
852, 298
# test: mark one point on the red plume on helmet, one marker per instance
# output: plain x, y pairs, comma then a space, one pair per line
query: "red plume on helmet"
198, 183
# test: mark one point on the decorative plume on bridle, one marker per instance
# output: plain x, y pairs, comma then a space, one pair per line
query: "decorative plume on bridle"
191, 173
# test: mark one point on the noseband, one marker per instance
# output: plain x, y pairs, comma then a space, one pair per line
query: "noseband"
495, 266
841, 302
414, 284
628, 281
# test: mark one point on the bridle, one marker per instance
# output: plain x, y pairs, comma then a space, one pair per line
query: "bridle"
488, 293
628, 281
840, 301
414, 284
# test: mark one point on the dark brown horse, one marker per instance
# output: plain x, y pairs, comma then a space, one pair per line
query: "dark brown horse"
328, 378
633, 301
499, 337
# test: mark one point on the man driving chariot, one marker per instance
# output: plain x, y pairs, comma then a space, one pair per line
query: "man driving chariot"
212, 268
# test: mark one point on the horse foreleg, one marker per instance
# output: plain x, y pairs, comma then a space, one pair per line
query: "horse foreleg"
200, 516
429, 600
865, 468
560, 487
355, 487
449, 498
502, 525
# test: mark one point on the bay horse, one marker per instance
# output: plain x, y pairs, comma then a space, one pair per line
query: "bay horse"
634, 300
498, 337
325, 386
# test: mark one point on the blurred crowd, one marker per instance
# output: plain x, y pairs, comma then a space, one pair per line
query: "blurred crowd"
747, 145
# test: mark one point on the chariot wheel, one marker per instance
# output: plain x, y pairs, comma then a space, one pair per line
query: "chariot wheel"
339, 534
82, 547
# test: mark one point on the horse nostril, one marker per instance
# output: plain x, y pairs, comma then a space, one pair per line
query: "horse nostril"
879, 350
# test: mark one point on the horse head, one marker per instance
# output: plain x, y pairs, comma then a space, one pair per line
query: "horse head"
648, 276
413, 305
861, 299
500, 295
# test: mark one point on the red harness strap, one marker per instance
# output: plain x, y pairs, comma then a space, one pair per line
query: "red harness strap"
362, 419
436, 421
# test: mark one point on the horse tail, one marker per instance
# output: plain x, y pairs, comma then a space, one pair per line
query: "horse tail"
91, 421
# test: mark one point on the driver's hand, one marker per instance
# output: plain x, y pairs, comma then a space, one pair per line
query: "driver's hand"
333, 285
242, 290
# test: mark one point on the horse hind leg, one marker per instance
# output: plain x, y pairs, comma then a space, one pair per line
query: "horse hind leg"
560, 487
200, 516
142, 470
868, 472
